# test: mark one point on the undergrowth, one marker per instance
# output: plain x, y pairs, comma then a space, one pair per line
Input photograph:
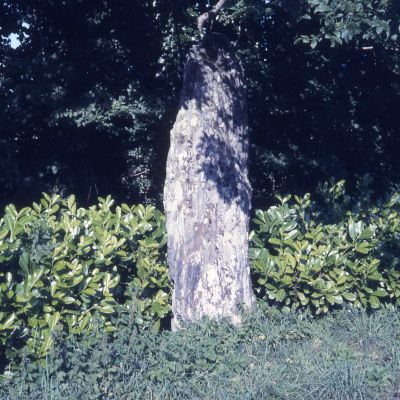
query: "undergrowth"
345, 355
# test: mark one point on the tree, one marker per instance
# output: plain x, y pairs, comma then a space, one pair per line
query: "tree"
207, 193
85, 108
80, 100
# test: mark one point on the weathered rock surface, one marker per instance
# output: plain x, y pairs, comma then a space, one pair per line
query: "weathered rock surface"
207, 193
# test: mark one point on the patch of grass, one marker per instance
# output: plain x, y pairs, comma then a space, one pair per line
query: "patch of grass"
343, 356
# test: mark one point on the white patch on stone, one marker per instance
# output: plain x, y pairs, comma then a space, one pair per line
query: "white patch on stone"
194, 121
178, 193
211, 276
195, 259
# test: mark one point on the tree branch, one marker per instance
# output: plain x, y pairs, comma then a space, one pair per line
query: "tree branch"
207, 18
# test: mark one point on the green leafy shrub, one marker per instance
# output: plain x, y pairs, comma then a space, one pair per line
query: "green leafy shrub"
347, 355
320, 255
60, 264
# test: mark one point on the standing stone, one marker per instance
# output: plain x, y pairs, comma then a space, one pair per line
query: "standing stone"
207, 193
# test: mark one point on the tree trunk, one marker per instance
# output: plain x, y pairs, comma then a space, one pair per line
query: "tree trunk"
207, 193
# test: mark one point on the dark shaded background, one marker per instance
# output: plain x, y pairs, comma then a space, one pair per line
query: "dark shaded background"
89, 97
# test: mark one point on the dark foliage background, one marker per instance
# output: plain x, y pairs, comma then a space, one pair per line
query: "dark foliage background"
89, 96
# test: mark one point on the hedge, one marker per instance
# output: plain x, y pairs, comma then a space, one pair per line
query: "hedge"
60, 264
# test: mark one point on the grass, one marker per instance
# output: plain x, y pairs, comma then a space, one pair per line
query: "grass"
347, 355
